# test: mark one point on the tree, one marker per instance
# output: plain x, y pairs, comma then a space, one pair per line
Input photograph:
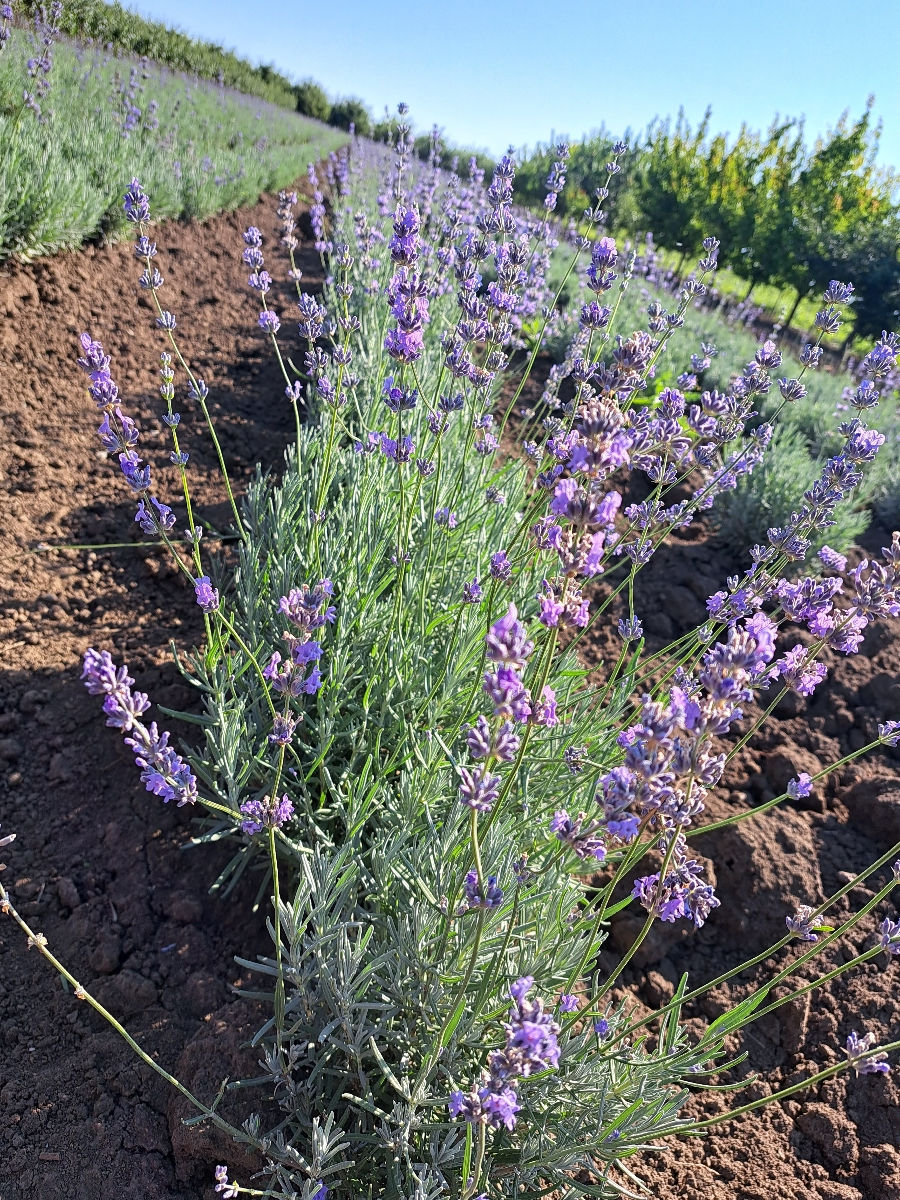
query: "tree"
838, 200
669, 184
771, 233
312, 100
351, 111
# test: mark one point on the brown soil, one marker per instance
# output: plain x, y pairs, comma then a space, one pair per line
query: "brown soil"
97, 866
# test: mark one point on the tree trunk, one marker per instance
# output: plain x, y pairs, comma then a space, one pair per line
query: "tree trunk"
791, 314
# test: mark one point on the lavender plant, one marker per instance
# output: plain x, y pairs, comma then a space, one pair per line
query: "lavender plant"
776, 489
400, 736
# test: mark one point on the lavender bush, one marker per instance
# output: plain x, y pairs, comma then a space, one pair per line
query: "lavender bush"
399, 734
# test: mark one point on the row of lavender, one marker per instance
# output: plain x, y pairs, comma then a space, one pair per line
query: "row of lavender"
64, 110
399, 731
807, 432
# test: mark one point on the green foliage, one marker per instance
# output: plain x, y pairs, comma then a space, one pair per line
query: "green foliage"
312, 100
351, 111
445, 154
133, 34
61, 182
585, 172
399, 990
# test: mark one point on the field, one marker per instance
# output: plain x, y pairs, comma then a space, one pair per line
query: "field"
589, 608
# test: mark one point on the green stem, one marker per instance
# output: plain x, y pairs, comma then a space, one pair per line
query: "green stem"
769, 951
38, 940
761, 808
471, 1189
803, 1085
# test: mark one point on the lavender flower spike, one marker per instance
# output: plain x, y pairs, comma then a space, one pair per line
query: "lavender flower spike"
800, 787
207, 595
267, 813
136, 203
800, 925
163, 772
227, 1191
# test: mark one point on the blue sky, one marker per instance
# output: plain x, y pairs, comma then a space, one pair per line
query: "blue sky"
498, 72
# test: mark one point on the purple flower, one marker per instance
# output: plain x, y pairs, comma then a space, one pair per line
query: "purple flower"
161, 521
791, 389
472, 592
228, 1191
890, 935
859, 1056
831, 558
889, 733
283, 726
594, 315
269, 322
828, 319
501, 568
404, 346
445, 518
491, 896
581, 839
496, 1108
800, 924
509, 695
682, 893
810, 355
531, 1046
601, 1027
838, 293
531, 1036
312, 317
544, 712
501, 743
307, 607
631, 629
291, 678
799, 675
575, 758
260, 281
207, 595
265, 814
163, 772
399, 399
800, 787
507, 642
136, 203
568, 1002
863, 444
478, 791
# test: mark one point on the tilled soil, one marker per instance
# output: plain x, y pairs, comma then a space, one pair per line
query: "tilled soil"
99, 866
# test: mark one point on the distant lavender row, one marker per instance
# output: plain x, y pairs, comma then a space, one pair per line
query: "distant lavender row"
75, 125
